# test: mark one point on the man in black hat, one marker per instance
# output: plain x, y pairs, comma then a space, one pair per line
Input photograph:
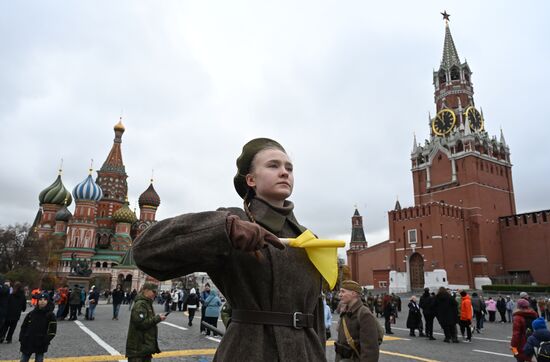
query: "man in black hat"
37, 330
142, 342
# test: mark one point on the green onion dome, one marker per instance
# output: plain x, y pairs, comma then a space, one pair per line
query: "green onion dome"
56, 193
124, 214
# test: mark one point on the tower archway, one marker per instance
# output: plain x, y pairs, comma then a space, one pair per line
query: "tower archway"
416, 268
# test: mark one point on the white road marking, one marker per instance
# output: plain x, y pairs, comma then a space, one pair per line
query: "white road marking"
213, 339
492, 339
175, 326
102, 343
495, 353
480, 338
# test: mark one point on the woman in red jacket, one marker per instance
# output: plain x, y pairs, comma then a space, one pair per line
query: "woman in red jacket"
522, 319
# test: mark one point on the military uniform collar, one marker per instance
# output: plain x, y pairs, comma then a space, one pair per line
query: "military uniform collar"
272, 217
351, 310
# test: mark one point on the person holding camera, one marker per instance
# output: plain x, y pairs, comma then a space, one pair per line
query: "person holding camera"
359, 334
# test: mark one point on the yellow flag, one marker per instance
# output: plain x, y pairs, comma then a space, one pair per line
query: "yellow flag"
322, 253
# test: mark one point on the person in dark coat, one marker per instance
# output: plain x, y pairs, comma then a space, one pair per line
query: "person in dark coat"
446, 312
37, 330
479, 311
414, 319
389, 312
118, 298
4, 295
501, 308
93, 300
274, 291
17, 303
74, 302
192, 305
142, 340
426, 303
540, 334
203, 296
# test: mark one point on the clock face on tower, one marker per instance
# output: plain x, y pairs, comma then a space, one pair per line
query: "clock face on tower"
443, 122
474, 118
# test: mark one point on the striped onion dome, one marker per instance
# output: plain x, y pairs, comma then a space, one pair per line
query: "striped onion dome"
63, 214
149, 197
124, 214
87, 190
55, 194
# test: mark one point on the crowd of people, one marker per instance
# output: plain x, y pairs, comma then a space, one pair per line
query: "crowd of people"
454, 312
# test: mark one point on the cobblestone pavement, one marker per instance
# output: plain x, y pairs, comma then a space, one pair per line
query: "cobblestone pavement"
104, 340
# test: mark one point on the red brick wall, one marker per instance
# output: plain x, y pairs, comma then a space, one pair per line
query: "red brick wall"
376, 257
441, 239
526, 245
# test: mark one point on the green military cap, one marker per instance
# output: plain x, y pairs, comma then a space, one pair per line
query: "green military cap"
351, 285
150, 286
245, 160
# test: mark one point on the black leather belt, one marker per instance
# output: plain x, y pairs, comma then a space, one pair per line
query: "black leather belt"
296, 320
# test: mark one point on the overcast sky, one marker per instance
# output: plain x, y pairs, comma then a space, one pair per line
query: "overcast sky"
343, 85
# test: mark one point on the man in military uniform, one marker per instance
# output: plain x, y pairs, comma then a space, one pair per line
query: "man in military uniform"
142, 334
359, 333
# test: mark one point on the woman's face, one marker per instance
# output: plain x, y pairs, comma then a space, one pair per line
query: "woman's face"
271, 176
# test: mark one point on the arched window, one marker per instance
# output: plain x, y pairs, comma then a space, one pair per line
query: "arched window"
459, 146
98, 264
455, 73
442, 78
105, 264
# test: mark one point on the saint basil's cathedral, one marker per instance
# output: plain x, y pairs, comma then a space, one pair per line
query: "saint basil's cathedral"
463, 230
101, 230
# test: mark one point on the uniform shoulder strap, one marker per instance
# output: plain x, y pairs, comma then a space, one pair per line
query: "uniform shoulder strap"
350, 340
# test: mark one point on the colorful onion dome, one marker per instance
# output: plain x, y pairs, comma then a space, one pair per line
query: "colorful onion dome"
63, 214
119, 126
87, 190
149, 197
55, 193
124, 214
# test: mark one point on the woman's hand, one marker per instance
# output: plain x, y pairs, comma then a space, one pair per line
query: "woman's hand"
247, 236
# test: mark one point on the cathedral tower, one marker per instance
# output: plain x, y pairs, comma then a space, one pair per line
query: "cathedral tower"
112, 180
82, 228
51, 199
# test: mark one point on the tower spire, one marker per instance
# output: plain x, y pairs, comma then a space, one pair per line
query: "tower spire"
114, 163
358, 240
450, 55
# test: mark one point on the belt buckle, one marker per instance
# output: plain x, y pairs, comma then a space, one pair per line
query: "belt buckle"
295, 320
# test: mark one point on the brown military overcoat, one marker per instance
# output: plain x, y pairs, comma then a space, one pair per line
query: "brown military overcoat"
279, 281
364, 330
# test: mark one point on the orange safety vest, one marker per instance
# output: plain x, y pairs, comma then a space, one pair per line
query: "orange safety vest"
34, 292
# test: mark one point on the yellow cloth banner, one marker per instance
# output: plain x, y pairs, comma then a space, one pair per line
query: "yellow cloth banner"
322, 253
